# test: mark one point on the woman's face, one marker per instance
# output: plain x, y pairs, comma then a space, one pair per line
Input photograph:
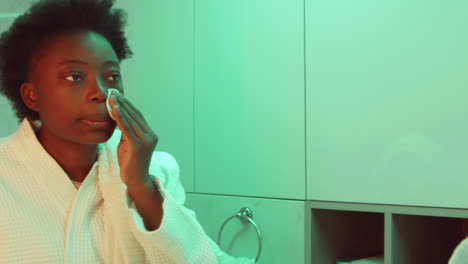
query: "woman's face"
70, 77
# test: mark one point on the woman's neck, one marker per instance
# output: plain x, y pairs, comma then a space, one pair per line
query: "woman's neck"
75, 159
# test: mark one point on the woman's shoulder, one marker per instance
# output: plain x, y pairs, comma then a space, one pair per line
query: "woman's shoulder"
8, 153
165, 167
4, 141
160, 161
164, 161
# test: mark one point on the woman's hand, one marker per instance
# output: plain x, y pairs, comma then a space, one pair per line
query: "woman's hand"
137, 144
134, 155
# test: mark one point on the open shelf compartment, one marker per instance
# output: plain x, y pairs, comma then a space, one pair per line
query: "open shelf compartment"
340, 234
425, 239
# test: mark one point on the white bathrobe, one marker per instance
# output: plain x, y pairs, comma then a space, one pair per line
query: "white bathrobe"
460, 254
45, 219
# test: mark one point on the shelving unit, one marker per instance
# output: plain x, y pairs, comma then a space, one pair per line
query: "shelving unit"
341, 234
403, 234
424, 239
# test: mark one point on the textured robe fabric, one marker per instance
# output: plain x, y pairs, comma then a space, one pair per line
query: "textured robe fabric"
460, 254
44, 218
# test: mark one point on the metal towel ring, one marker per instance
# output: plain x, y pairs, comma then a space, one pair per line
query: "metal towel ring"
245, 215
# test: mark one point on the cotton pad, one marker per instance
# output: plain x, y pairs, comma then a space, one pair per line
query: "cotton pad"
109, 108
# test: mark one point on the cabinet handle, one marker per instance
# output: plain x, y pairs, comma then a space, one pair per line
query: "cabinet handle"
246, 216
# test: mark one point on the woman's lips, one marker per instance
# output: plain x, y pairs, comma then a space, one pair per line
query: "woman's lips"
98, 124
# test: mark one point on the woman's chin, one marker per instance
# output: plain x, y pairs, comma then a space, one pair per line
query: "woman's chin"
97, 137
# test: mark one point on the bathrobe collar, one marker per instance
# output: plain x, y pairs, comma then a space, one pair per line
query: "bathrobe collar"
48, 174
106, 184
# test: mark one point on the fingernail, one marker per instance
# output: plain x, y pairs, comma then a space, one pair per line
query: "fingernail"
112, 93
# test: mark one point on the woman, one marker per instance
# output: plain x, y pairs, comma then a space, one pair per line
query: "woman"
57, 63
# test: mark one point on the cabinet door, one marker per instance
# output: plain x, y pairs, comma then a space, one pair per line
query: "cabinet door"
14, 6
281, 225
387, 112
158, 79
9, 121
9, 10
249, 98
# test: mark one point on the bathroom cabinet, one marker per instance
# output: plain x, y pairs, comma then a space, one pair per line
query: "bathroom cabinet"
403, 234
249, 98
319, 232
281, 224
386, 102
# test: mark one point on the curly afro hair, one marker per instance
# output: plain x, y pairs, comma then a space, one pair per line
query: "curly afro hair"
18, 44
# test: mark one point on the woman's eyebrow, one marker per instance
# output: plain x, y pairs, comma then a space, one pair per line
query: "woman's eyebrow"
106, 63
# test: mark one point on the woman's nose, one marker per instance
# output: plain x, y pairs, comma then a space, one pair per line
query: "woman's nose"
99, 91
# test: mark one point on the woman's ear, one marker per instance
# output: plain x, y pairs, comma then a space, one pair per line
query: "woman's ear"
29, 95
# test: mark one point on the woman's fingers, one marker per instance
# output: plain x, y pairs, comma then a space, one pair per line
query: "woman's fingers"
134, 114
124, 100
122, 119
133, 120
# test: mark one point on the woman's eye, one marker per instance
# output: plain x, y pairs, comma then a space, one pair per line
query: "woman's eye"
73, 77
116, 77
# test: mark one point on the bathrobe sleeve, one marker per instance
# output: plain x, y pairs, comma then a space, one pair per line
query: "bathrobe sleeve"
180, 239
460, 254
